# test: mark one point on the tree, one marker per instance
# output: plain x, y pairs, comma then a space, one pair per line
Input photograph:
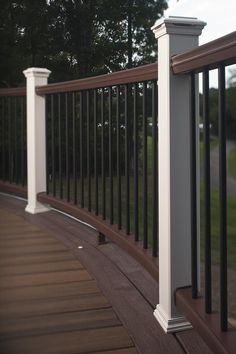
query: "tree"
76, 38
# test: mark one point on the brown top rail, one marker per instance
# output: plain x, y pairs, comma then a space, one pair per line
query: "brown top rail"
15, 91
139, 74
221, 50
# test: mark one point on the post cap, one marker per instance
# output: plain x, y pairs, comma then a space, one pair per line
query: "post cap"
37, 72
178, 25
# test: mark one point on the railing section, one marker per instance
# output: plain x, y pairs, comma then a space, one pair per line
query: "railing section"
215, 55
13, 155
102, 149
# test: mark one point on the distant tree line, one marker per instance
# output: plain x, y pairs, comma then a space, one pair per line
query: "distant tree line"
75, 38
230, 110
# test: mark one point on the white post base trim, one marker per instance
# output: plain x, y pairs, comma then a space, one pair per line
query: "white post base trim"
39, 208
174, 324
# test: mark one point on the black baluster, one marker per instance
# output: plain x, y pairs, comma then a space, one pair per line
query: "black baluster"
194, 262
127, 157
118, 158
154, 169
223, 202
207, 191
60, 147
81, 151
145, 224
74, 128
95, 151
136, 202
88, 152
110, 155
103, 157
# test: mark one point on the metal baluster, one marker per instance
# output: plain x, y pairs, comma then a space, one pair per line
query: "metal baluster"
95, 151
48, 139
60, 147
15, 155
207, 191
88, 152
110, 156
9, 140
2, 138
67, 150
103, 157
223, 202
136, 201
118, 158
74, 128
145, 224
154, 169
3, 141
194, 263
22, 127
53, 146
81, 151
127, 156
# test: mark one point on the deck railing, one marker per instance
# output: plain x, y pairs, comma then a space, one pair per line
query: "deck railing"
99, 131
215, 55
94, 154
102, 155
13, 157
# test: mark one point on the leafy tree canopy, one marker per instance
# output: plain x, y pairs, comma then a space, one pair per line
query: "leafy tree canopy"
75, 38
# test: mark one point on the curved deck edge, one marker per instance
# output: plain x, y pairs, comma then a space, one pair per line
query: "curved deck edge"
135, 249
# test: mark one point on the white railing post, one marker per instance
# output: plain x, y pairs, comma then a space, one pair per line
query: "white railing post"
36, 138
175, 35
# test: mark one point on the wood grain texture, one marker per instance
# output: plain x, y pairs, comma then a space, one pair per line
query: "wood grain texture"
48, 291
70, 342
121, 315
49, 303
191, 342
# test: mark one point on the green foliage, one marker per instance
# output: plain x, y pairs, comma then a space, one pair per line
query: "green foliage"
75, 38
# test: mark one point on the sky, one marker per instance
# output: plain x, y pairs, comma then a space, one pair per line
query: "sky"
220, 16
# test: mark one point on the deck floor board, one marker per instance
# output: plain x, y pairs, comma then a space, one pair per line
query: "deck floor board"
62, 293
49, 303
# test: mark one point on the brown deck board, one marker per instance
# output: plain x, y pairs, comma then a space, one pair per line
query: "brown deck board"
11, 243
68, 321
30, 249
56, 313
55, 305
71, 342
36, 258
49, 303
68, 276
119, 351
40, 267
191, 342
48, 291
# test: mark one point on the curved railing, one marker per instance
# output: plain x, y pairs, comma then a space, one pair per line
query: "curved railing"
102, 156
13, 152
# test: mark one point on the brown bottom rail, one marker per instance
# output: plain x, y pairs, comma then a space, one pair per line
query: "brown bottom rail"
12, 188
207, 325
135, 249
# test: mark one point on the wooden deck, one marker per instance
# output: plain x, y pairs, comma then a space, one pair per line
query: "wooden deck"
62, 293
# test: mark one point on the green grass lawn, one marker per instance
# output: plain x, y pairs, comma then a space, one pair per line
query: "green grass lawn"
232, 162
